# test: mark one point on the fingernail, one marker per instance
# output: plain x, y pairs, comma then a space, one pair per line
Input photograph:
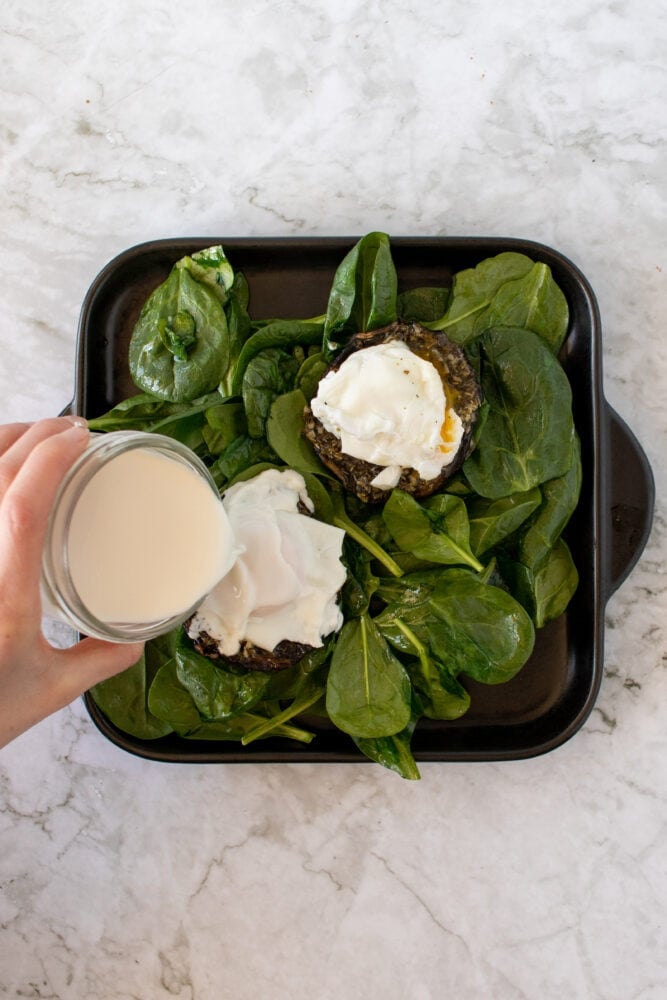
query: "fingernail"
76, 421
79, 427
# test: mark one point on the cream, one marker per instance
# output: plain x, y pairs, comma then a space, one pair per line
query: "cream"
148, 537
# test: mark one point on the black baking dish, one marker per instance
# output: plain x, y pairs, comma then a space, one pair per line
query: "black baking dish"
555, 692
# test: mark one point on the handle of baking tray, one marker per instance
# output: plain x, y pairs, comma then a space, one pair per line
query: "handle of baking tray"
631, 497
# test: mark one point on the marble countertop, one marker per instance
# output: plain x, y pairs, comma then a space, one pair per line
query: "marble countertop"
527, 880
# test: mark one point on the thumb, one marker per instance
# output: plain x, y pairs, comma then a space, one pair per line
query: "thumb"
92, 661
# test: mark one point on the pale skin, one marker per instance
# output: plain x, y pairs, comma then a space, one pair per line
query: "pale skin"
36, 679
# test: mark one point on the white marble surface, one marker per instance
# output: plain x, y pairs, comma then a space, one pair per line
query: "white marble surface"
537, 880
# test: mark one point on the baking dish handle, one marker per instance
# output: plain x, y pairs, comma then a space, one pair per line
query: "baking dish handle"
631, 497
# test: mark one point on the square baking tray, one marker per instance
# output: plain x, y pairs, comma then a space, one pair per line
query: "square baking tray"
550, 699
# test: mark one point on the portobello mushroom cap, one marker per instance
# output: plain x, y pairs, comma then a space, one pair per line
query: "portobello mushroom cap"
462, 393
252, 657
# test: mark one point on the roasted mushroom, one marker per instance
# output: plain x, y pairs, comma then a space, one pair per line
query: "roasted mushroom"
397, 407
252, 657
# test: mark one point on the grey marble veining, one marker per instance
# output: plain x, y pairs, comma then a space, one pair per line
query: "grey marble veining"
541, 879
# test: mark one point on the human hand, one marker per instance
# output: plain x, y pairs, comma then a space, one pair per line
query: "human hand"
35, 678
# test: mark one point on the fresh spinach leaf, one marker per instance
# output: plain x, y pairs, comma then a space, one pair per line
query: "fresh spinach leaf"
224, 423
368, 689
360, 583
288, 684
422, 305
310, 373
509, 289
492, 521
238, 329
269, 373
363, 292
330, 507
442, 696
210, 267
236, 728
438, 532
124, 699
534, 302
559, 500
183, 421
279, 333
312, 691
217, 692
546, 589
473, 291
284, 428
166, 360
169, 701
469, 626
241, 454
528, 435
394, 752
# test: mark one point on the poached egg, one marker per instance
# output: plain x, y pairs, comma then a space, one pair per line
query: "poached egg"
285, 580
387, 406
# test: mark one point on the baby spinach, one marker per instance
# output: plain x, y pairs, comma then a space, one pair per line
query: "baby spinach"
546, 589
210, 267
394, 752
423, 305
237, 728
528, 435
363, 292
280, 333
534, 302
536, 562
330, 507
368, 690
469, 626
290, 683
269, 373
172, 703
284, 428
242, 453
559, 500
311, 371
186, 422
554, 584
361, 582
179, 348
442, 696
437, 532
224, 423
238, 329
124, 698
492, 521
311, 692
218, 692
507, 290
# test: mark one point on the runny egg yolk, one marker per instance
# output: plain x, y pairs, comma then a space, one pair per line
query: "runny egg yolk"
450, 432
